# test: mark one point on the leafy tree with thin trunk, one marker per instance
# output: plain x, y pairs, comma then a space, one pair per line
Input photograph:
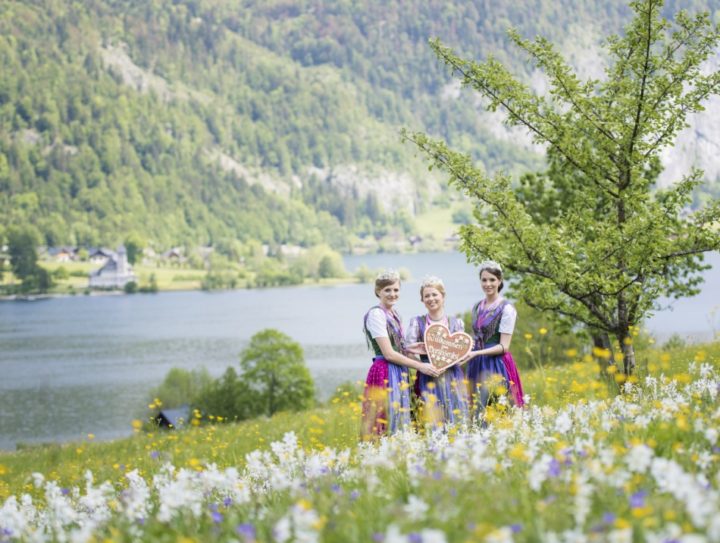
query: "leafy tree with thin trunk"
274, 371
609, 242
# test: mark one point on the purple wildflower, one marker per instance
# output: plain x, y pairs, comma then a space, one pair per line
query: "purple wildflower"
378, 537
414, 537
638, 499
246, 531
65, 491
609, 518
354, 495
516, 528
154, 455
227, 502
554, 469
217, 517
336, 488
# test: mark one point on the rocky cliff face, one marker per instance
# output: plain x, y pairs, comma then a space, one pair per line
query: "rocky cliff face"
698, 146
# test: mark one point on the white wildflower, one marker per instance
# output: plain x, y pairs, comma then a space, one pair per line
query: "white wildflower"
639, 457
563, 423
501, 535
620, 536
416, 508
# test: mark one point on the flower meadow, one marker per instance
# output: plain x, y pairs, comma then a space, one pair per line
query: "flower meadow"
641, 465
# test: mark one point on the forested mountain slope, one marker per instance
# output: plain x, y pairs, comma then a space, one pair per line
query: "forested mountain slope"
275, 120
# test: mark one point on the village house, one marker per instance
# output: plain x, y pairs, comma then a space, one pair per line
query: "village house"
115, 273
99, 255
174, 254
62, 254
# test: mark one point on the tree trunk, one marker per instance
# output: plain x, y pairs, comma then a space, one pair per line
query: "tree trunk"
628, 355
601, 340
271, 396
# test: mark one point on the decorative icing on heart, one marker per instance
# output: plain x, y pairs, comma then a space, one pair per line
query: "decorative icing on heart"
444, 348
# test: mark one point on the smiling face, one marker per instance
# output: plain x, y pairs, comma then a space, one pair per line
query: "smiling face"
389, 294
433, 299
490, 283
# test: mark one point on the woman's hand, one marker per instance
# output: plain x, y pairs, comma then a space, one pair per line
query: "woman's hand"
416, 348
429, 369
465, 359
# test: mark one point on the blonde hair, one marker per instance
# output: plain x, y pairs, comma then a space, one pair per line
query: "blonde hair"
434, 282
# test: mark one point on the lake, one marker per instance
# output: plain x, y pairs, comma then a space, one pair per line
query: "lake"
85, 364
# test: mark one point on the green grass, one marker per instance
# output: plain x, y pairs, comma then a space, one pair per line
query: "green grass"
333, 425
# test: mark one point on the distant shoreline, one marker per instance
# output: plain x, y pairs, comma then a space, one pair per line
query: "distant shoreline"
30, 298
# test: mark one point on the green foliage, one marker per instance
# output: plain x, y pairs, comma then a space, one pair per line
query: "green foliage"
365, 275
462, 216
273, 378
274, 370
21, 248
539, 340
22, 242
180, 387
134, 245
61, 273
192, 122
274, 274
219, 279
598, 244
152, 285
319, 262
228, 397
131, 287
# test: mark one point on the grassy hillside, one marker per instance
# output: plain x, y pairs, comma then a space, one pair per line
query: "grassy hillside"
632, 467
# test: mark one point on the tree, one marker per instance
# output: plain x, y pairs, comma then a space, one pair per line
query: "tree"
273, 368
181, 387
617, 243
227, 397
22, 243
134, 245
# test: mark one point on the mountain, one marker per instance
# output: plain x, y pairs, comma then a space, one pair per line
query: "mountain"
201, 121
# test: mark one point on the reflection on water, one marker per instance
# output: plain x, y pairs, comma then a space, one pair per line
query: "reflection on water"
80, 365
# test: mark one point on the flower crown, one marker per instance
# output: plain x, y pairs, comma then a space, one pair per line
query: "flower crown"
388, 275
490, 265
431, 281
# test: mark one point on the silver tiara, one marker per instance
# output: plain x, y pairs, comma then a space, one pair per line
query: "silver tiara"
388, 275
431, 280
490, 265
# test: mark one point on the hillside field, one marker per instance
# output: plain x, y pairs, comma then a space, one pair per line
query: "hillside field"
579, 464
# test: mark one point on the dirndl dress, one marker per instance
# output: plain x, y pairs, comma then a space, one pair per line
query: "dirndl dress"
489, 375
386, 397
440, 400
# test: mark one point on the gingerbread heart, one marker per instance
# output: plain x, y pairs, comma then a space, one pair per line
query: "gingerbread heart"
444, 348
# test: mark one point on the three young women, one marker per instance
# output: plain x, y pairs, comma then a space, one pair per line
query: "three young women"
443, 395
